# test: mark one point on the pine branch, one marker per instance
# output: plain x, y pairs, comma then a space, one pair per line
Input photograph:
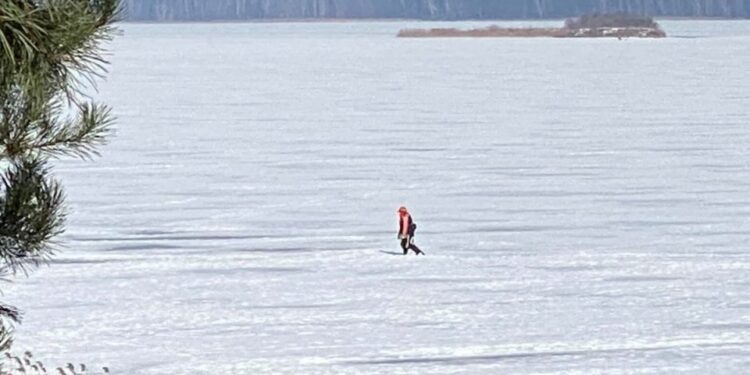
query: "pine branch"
50, 50
6, 335
59, 39
77, 34
31, 214
10, 313
80, 137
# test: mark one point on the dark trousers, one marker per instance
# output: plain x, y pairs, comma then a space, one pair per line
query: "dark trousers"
408, 243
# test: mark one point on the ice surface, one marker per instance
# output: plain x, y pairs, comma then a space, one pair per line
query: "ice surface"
584, 206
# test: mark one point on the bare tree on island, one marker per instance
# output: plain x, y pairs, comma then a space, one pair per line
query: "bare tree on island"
50, 51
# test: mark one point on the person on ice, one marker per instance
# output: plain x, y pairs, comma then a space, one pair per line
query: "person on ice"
406, 231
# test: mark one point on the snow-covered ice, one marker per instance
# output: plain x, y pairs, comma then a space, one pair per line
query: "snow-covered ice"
583, 203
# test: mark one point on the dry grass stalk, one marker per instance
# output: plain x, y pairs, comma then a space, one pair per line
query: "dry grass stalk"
27, 365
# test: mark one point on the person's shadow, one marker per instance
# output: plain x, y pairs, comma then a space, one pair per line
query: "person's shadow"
392, 252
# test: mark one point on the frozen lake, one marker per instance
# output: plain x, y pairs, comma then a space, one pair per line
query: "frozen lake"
583, 204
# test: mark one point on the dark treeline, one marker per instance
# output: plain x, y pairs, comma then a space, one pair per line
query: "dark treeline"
205, 10
610, 20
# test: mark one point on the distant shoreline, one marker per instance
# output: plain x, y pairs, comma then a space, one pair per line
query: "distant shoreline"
396, 20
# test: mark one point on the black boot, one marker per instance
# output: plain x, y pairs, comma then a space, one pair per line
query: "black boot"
417, 251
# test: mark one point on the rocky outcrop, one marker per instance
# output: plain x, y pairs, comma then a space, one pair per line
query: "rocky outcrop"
205, 10
595, 25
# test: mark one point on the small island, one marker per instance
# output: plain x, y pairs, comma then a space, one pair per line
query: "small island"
614, 25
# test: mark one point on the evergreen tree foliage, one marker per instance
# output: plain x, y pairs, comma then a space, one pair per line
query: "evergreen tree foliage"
50, 51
